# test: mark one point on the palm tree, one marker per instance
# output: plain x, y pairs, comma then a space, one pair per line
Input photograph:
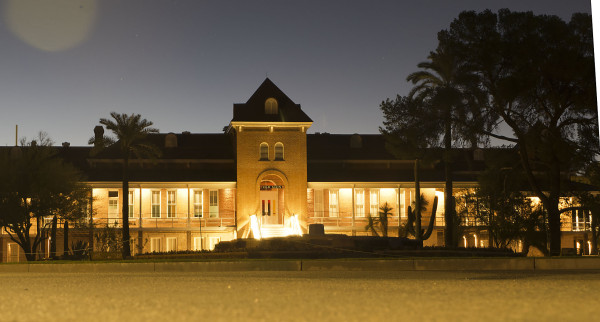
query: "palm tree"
440, 86
130, 132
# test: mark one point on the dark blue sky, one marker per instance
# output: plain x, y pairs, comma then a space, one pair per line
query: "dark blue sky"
182, 64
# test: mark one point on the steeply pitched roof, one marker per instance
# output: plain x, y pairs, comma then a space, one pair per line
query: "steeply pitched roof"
254, 109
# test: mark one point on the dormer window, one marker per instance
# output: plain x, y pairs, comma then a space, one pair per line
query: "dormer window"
271, 106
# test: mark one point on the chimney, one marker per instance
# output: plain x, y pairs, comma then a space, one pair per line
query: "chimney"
98, 136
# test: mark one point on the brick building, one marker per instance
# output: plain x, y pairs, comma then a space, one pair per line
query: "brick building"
264, 177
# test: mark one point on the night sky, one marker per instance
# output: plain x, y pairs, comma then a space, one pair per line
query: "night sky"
182, 64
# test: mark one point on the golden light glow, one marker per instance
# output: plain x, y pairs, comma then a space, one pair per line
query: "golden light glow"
254, 227
55, 25
535, 201
296, 230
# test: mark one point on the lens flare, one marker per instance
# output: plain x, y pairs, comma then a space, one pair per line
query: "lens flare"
52, 26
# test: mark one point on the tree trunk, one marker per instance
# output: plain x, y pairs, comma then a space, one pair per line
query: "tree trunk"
448, 205
53, 237
417, 202
554, 228
126, 251
594, 224
66, 239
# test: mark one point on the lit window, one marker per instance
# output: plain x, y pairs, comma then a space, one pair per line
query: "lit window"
264, 152
197, 243
360, 203
198, 203
333, 203
155, 204
131, 207
171, 204
271, 106
278, 151
113, 204
154, 245
171, 244
374, 202
213, 203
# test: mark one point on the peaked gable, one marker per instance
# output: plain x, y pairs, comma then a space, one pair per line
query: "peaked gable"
254, 109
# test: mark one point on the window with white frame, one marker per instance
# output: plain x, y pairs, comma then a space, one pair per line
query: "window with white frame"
359, 201
264, 151
213, 196
198, 203
171, 203
278, 151
333, 203
374, 202
171, 244
113, 204
155, 207
197, 243
155, 244
131, 205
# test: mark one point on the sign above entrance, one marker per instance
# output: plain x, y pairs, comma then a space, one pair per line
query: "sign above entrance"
270, 187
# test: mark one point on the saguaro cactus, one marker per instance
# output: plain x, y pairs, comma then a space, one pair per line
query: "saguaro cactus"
413, 225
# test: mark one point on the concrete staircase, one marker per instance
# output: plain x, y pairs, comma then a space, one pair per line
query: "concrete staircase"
269, 231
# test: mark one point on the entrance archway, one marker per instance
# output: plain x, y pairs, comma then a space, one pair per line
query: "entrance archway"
271, 203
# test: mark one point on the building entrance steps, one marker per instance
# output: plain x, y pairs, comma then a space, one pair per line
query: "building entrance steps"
269, 231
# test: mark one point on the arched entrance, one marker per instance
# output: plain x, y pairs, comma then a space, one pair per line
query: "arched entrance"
271, 206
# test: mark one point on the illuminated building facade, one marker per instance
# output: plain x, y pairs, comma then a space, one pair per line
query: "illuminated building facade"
265, 177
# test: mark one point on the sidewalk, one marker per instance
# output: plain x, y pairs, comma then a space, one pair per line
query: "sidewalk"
418, 264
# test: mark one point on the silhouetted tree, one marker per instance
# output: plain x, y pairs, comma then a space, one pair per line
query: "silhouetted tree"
130, 133
35, 183
538, 76
444, 98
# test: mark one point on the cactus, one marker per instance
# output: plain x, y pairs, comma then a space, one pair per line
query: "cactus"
413, 225
414, 221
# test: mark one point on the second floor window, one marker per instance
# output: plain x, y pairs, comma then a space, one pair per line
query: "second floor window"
131, 205
278, 151
374, 202
198, 203
333, 203
264, 151
214, 203
360, 203
155, 204
113, 204
171, 203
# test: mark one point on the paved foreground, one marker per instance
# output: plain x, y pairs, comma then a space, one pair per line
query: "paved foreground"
301, 296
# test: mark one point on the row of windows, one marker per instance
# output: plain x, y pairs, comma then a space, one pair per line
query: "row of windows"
156, 207
359, 203
200, 243
264, 151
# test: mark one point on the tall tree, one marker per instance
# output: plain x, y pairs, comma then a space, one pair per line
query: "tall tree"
130, 132
35, 184
538, 76
442, 99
